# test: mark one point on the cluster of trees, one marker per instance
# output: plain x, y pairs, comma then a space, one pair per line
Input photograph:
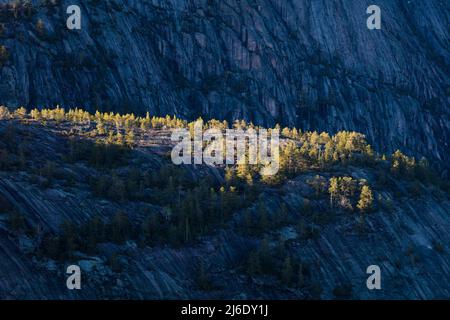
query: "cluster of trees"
4, 55
4, 113
187, 211
343, 191
365, 202
18, 8
85, 237
110, 120
404, 166
13, 151
312, 149
98, 153
257, 221
114, 127
275, 261
194, 215
190, 209
302, 151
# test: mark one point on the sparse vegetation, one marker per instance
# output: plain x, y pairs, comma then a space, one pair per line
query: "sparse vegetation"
179, 211
4, 57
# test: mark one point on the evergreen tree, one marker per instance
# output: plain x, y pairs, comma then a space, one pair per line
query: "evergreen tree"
265, 256
20, 113
100, 127
68, 238
300, 276
35, 114
120, 228
263, 216
130, 137
254, 264
318, 183
96, 231
230, 175
287, 271
150, 228
203, 279
365, 199
242, 171
119, 138
281, 217
116, 189
333, 189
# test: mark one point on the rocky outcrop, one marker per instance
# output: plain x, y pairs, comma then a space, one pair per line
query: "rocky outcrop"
402, 242
312, 64
406, 236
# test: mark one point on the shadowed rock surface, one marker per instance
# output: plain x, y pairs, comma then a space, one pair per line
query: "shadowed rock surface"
312, 64
408, 239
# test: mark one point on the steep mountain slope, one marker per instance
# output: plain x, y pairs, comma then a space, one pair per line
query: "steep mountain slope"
51, 195
313, 64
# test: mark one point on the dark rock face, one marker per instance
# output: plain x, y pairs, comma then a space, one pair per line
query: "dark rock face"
313, 64
401, 242
407, 236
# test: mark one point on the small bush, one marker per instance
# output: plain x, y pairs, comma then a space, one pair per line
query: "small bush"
343, 291
4, 56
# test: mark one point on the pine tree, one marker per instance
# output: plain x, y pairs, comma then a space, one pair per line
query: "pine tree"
300, 276
280, 249
203, 279
230, 175
282, 215
173, 235
130, 137
4, 112
69, 238
35, 114
365, 199
4, 57
288, 158
263, 217
114, 262
348, 186
149, 228
242, 171
254, 264
329, 150
318, 183
96, 229
265, 256
120, 228
20, 113
117, 190
333, 189
100, 127
287, 272
119, 138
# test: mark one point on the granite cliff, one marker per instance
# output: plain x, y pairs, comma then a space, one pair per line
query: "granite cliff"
312, 64
60, 206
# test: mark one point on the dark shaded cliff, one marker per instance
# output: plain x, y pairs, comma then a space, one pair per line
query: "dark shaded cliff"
406, 235
313, 64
